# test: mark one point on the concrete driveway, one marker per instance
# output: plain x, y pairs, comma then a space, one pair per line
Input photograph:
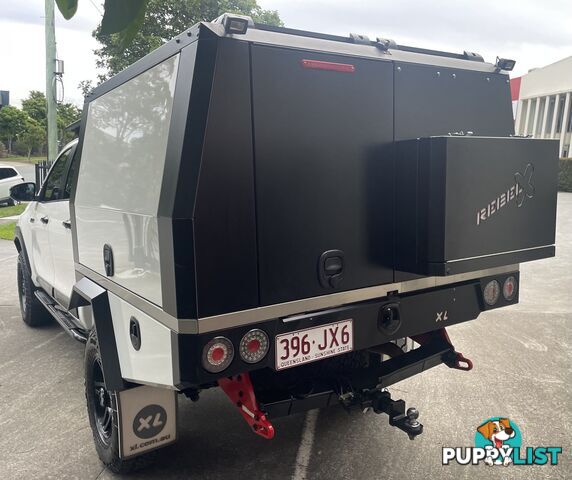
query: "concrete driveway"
522, 358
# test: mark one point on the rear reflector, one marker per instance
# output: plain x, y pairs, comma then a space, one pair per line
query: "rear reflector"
335, 67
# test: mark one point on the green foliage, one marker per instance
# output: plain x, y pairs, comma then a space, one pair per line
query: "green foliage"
123, 18
35, 107
67, 8
7, 230
14, 210
3, 150
163, 20
33, 136
565, 175
67, 114
12, 123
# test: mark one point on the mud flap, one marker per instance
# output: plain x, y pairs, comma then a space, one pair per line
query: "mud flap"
147, 419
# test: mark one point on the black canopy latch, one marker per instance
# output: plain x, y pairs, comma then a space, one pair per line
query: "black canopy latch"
331, 268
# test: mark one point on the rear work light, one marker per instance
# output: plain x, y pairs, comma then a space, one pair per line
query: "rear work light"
254, 346
509, 288
491, 293
332, 66
217, 354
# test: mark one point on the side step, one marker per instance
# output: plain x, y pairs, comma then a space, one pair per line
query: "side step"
62, 316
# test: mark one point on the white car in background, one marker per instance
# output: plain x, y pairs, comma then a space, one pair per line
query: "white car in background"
9, 177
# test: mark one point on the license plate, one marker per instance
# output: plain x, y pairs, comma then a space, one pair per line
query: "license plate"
313, 344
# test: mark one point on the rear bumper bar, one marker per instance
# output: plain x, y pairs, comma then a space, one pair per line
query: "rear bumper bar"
436, 351
418, 313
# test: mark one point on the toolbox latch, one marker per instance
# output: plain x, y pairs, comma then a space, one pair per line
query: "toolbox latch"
331, 268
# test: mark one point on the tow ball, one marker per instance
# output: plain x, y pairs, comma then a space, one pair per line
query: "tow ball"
398, 416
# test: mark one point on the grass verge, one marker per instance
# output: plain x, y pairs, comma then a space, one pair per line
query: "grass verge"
7, 230
22, 159
10, 211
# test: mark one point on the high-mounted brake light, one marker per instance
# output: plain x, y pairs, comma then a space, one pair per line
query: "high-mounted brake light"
217, 354
254, 346
334, 67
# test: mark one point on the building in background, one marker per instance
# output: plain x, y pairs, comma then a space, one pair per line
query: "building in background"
543, 103
4, 98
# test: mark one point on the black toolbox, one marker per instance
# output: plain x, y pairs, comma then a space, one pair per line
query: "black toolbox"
467, 203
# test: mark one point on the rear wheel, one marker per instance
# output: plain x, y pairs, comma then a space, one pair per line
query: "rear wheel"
34, 313
102, 412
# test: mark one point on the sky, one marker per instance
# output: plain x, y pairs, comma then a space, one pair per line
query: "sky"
534, 33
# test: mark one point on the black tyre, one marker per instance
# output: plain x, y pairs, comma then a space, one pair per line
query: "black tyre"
102, 412
34, 313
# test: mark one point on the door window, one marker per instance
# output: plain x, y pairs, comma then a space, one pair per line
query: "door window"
70, 176
53, 186
7, 172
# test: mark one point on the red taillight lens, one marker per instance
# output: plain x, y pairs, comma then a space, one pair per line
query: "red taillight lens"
254, 346
217, 354
509, 288
332, 66
491, 292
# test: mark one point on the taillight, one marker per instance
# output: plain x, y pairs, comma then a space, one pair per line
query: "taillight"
509, 288
491, 293
254, 346
217, 354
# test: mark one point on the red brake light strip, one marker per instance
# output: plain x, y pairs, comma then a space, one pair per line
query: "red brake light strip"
332, 66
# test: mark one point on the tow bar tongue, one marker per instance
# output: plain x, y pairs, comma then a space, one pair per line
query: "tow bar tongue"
380, 401
398, 417
239, 390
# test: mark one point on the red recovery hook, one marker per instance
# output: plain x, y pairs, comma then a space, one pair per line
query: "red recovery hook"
458, 361
239, 389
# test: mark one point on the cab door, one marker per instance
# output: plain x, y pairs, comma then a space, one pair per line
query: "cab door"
60, 232
50, 195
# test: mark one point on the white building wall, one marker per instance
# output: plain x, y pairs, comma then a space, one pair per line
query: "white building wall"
538, 89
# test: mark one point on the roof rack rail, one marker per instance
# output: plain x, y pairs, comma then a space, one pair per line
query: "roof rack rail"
362, 40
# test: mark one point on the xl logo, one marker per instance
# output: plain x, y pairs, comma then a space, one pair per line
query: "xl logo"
442, 316
150, 421
524, 181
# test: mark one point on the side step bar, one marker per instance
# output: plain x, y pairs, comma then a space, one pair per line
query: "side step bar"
62, 316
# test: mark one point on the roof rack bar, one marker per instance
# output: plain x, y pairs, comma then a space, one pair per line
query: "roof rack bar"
350, 39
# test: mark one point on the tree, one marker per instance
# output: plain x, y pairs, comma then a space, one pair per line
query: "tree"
12, 123
35, 107
122, 17
163, 20
33, 136
67, 114
125, 17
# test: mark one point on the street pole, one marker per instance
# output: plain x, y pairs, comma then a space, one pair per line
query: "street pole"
50, 81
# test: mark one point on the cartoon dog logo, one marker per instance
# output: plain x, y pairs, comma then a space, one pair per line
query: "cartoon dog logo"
497, 432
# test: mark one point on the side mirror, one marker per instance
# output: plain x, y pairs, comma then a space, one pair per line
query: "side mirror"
23, 192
